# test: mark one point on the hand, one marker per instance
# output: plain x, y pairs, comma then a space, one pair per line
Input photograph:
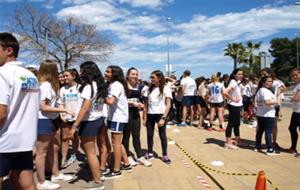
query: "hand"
161, 123
72, 132
235, 99
70, 113
145, 122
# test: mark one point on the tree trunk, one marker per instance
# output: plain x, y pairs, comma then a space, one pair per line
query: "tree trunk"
235, 63
251, 65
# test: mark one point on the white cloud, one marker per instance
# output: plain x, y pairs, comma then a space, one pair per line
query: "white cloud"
197, 42
146, 3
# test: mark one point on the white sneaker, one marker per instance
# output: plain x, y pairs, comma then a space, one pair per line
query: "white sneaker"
61, 177
230, 146
131, 161
144, 162
47, 185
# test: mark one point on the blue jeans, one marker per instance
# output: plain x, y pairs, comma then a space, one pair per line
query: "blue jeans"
265, 124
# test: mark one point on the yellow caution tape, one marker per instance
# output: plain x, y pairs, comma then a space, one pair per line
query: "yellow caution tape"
205, 168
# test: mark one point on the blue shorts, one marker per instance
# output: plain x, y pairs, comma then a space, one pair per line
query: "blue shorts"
116, 127
200, 101
188, 100
15, 161
47, 126
91, 128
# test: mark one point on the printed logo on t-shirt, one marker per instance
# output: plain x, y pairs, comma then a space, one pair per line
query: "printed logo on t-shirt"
98, 105
71, 97
29, 83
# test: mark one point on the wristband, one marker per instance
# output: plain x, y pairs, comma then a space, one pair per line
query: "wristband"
76, 128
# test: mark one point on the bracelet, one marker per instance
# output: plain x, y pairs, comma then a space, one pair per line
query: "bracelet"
76, 128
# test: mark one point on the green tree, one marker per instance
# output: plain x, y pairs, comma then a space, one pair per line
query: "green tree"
236, 51
284, 52
252, 55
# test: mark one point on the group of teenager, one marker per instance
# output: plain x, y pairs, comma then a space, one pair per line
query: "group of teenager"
245, 99
42, 111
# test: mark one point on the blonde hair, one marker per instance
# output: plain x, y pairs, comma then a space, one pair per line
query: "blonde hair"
48, 72
215, 78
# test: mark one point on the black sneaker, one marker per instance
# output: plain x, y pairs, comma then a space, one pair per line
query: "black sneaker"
113, 174
272, 152
127, 168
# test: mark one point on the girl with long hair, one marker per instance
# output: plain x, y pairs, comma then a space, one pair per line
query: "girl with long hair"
90, 118
117, 117
295, 118
47, 125
201, 100
266, 102
156, 111
133, 127
233, 94
215, 93
71, 100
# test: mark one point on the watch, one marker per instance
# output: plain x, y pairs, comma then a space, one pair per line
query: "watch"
163, 118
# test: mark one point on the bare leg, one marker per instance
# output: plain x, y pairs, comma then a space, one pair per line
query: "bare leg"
23, 180
116, 143
88, 144
104, 147
42, 147
184, 113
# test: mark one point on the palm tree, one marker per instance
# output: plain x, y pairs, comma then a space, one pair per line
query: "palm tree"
252, 54
236, 51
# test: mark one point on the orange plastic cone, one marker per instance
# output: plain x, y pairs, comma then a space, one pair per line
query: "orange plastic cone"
261, 183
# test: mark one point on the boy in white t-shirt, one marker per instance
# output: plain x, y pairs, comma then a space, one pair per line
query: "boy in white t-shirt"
19, 106
189, 89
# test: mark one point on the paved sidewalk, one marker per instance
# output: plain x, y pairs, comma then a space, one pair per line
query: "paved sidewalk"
203, 147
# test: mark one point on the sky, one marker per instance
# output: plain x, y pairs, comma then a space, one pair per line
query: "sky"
198, 30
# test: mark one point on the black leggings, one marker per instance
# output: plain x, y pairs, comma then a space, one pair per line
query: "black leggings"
294, 124
151, 120
234, 120
133, 127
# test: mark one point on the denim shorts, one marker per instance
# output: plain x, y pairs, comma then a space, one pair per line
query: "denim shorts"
47, 126
15, 161
91, 128
188, 100
116, 127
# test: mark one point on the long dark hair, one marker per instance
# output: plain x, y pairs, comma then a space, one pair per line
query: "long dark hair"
262, 82
161, 79
233, 74
118, 75
89, 73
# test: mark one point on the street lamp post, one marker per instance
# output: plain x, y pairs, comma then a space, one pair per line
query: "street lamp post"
297, 52
168, 48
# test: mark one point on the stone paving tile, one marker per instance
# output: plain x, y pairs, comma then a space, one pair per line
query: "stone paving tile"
283, 170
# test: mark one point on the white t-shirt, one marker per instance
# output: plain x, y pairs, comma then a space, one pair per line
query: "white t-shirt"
96, 110
296, 105
247, 91
19, 91
70, 98
263, 110
157, 103
48, 95
253, 87
189, 86
215, 91
276, 85
118, 112
235, 92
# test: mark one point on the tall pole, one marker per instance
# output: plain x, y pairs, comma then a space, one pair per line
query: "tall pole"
168, 48
297, 53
